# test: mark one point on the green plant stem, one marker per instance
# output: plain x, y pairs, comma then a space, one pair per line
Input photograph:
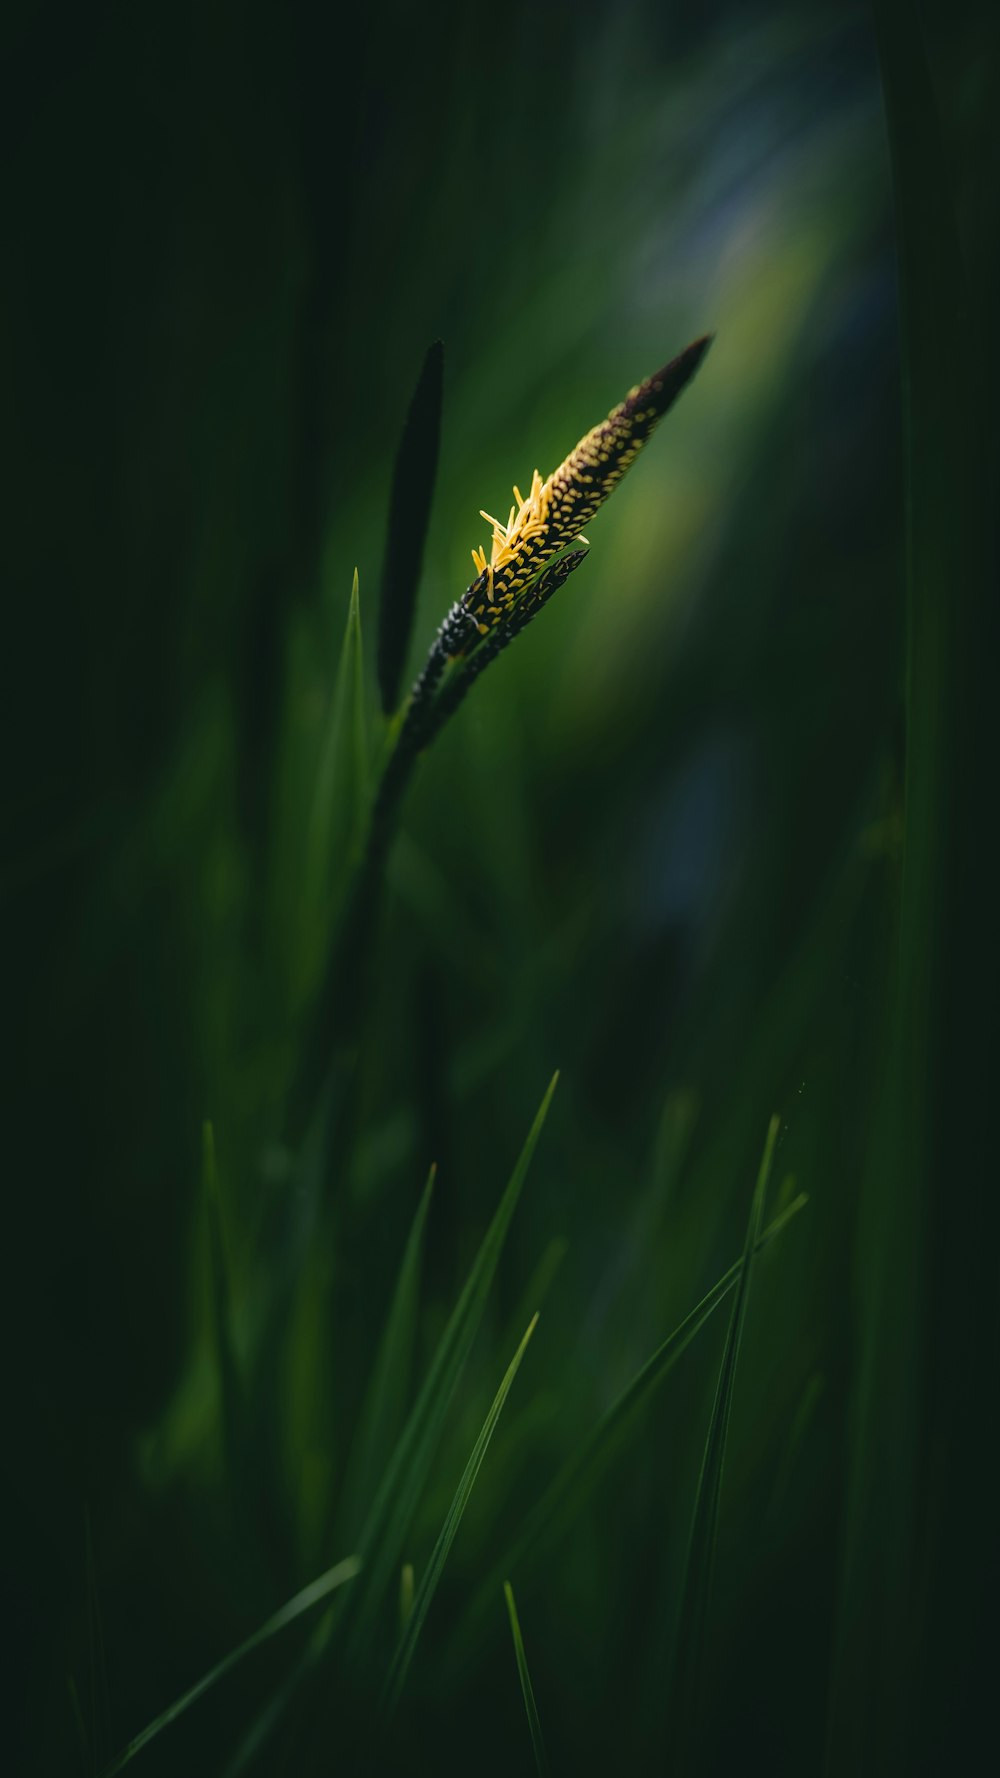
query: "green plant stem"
447, 677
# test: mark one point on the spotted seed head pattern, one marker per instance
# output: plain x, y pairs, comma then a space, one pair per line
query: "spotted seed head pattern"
555, 511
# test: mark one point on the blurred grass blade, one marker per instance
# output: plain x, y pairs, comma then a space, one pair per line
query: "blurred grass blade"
446, 1537
554, 1511
314, 1594
526, 1686
388, 1524
340, 808
802, 1423
230, 1389
79, 1724
538, 1287
405, 1594
384, 1410
413, 477
100, 1712
339, 910
925, 1284
689, 1648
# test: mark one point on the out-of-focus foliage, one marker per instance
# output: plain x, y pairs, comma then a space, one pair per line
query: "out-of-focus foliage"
660, 849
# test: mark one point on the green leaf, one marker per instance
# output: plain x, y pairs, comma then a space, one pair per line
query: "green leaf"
537, 1288
384, 1409
446, 1537
696, 1591
527, 1688
553, 1512
405, 1594
801, 1426
341, 801
413, 477
314, 1594
387, 1527
388, 1524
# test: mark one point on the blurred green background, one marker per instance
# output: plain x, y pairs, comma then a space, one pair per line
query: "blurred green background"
711, 839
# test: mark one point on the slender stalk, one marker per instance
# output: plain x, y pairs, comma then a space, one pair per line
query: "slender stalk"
430, 708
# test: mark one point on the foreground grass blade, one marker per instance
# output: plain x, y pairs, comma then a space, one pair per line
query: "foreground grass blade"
695, 1596
340, 907
384, 1409
526, 1686
383, 1540
553, 1512
413, 478
311, 1595
446, 1537
340, 808
386, 1530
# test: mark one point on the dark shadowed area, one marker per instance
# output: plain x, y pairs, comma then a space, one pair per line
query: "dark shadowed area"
710, 839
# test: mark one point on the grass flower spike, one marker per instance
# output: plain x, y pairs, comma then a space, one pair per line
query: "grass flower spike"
555, 511
530, 556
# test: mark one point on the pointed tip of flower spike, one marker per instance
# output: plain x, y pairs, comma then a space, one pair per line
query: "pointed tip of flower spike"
555, 511
660, 391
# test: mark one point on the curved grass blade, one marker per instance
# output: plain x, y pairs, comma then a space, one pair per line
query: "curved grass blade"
384, 1537
386, 1529
339, 812
689, 1647
553, 1512
446, 1537
413, 477
527, 1688
384, 1409
313, 1594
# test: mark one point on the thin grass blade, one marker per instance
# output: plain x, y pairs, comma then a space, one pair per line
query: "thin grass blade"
537, 1289
696, 1592
384, 1409
802, 1423
406, 1592
339, 907
553, 1512
80, 1725
310, 1596
413, 477
341, 799
388, 1524
439, 1555
527, 1689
